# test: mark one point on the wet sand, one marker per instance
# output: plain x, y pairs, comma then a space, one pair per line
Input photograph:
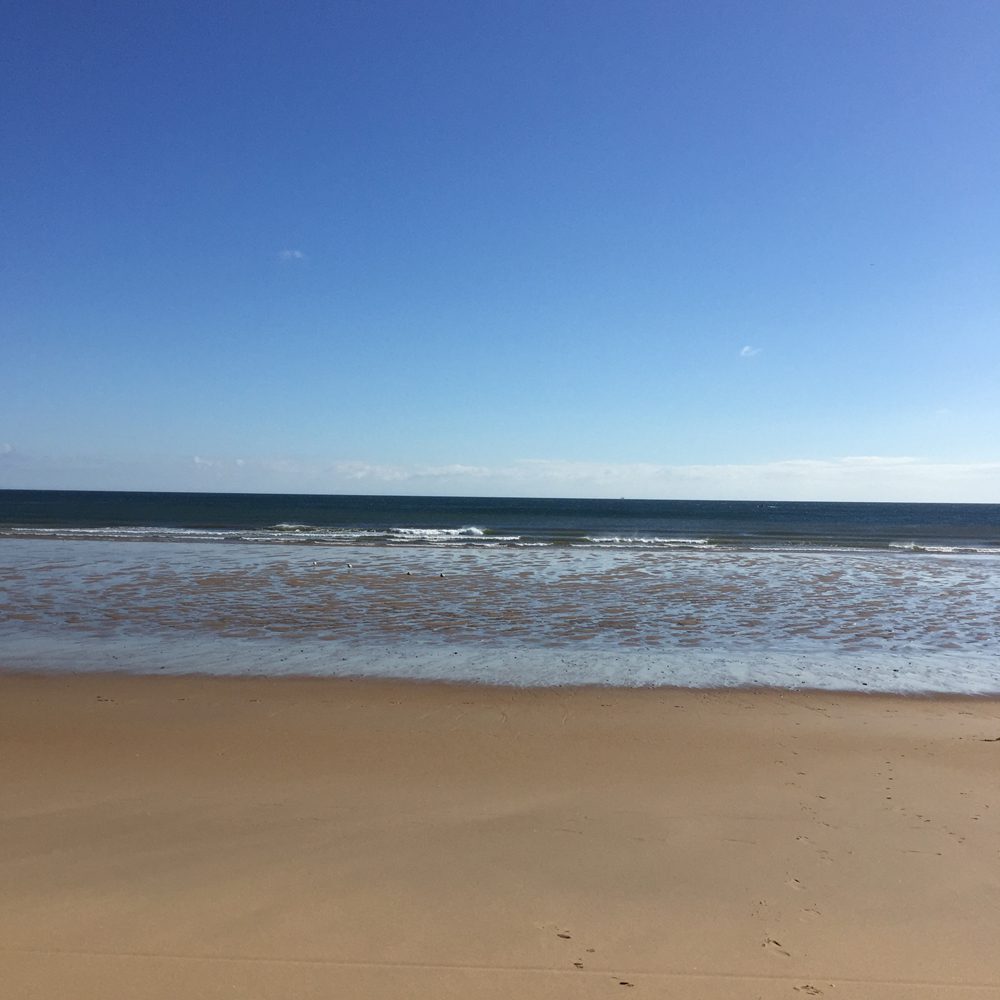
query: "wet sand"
865, 620
165, 837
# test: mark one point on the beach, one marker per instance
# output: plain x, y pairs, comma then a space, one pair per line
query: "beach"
320, 837
500, 501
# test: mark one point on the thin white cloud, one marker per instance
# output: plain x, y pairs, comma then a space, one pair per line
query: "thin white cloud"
291, 255
6, 448
398, 473
357, 471
864, 477
746, 351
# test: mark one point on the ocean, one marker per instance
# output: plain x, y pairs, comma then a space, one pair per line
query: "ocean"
846, 596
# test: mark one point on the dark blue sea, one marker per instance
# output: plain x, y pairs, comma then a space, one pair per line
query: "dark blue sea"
851, 596
485, 521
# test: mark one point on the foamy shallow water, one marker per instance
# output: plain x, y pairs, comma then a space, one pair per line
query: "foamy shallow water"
894, 621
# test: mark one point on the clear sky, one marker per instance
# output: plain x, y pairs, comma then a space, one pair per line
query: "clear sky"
668, 249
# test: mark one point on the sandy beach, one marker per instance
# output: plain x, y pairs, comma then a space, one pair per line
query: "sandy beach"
205, 837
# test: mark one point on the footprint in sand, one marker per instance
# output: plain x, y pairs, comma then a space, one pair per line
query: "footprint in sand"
775, 947
813, 991
794, 883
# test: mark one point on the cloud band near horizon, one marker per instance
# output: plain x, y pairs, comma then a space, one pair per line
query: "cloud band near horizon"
849, 478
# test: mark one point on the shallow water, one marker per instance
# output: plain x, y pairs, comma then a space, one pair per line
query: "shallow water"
887, 620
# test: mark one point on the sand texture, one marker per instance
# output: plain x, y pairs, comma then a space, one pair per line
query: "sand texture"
207, 838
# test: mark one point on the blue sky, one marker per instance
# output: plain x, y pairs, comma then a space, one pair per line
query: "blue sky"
643, 249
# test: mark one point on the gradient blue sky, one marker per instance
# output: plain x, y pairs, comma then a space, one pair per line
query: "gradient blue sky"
645, 249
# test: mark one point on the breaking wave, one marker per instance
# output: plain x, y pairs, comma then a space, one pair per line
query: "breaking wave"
473, 536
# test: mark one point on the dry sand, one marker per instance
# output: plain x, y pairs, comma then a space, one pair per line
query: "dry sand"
200, 838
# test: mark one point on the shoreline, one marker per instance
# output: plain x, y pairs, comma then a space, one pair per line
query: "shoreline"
384, 681
298, 836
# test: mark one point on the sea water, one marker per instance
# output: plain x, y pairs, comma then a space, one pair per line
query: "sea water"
873, 597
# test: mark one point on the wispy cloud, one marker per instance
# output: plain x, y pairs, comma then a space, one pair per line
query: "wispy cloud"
6, 448
401, 473
291, 255
746, 351
854, 477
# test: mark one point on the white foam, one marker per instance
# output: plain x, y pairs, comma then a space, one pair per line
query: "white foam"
647, 540
984, 550
127, 533
437, 534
